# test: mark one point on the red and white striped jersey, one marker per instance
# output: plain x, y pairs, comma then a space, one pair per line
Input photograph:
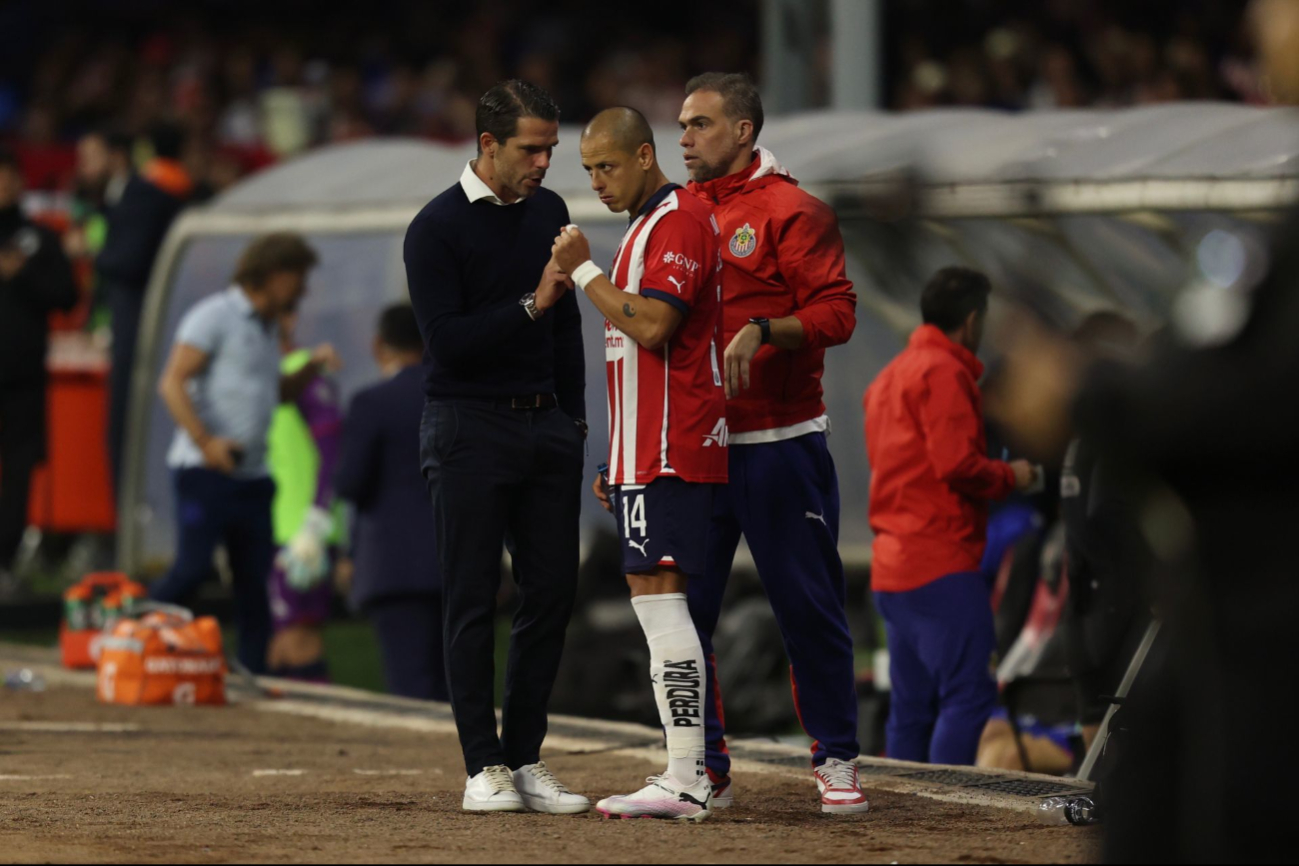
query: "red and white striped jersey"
667, 409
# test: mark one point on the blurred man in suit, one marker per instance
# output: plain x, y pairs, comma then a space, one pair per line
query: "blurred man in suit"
396, 581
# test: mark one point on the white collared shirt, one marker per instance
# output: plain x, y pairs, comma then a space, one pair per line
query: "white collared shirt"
476, 190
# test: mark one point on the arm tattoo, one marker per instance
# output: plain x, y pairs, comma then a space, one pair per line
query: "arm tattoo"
629, 311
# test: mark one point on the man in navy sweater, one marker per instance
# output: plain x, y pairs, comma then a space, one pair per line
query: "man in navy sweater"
502, 437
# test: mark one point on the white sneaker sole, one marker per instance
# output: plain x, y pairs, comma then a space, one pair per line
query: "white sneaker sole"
540, 804
469, 805
725, 801
693, 819
846, 809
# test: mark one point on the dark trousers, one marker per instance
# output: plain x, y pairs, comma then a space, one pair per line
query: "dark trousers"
492, 470
125, 304
22, 448
214, 509
941, 646
784, 498
409, 629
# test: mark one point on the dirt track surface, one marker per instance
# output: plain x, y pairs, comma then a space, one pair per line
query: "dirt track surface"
185, 788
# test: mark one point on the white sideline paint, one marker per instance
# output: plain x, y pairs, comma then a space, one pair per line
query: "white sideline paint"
69, 727
260, 773
32, 778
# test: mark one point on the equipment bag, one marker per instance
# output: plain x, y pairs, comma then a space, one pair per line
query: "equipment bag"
164, 657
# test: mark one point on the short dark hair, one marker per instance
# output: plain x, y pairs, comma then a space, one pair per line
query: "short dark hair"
625, 125
740, 97
951, 295
399, 330
274, 253
501, 107
168, 140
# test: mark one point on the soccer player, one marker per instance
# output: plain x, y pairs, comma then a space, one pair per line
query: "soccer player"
787, 299
667, 437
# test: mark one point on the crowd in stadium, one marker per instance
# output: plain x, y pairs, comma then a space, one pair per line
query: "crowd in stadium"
276, 83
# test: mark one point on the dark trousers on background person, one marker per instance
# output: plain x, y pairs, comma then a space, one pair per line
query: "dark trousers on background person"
409, 631
783, 497
22, 448
125, 305
493, 470
215, 509
942, 645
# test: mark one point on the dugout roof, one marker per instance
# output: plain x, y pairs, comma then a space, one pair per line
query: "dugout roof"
1178, 156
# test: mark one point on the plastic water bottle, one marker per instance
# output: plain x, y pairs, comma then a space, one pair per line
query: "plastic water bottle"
1079, 811
25, 680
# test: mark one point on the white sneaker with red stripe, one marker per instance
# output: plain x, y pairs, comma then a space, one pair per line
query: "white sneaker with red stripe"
840, 787
723, 793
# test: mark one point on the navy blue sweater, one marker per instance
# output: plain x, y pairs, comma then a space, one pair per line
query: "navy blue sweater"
467, 266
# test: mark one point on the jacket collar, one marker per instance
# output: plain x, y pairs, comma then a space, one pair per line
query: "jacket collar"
931, 337
762, 171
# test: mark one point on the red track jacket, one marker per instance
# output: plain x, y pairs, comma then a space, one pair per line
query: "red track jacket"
782, 255
931, 478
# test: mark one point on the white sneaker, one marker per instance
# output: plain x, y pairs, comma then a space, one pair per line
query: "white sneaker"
840, 787
492, 790
723, 793
542, 792
664, 797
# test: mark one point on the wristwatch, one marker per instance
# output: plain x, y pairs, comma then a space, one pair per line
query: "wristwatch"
581, 426
529, 303
765, 326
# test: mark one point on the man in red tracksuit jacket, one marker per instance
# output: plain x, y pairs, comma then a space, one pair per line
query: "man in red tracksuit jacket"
786, 299
931, 481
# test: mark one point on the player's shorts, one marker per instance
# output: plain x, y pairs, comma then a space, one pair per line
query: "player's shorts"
290, 607
663, 524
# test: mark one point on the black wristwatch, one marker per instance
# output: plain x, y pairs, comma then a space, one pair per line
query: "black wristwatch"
581, 426
765, 326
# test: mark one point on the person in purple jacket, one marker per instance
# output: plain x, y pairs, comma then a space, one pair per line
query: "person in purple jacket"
303, 445
396, 581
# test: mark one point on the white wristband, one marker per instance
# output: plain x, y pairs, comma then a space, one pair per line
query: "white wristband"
586, 272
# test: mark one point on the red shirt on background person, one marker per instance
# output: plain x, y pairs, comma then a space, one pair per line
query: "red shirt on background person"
931, 480
930, 485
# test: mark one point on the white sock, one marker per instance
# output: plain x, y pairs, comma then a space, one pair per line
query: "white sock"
677, 672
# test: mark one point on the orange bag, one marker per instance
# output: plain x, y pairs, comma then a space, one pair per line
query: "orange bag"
91, 606
164, 657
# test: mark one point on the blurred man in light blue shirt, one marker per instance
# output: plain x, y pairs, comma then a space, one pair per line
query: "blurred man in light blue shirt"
221, 385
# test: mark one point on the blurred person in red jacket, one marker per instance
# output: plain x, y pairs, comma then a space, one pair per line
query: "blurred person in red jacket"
931, 481
786, 298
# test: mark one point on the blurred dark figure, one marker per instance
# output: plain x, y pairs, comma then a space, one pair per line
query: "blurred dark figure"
1205, 438
103, 171
1106, 556
137, 226
35, 279
396, 581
